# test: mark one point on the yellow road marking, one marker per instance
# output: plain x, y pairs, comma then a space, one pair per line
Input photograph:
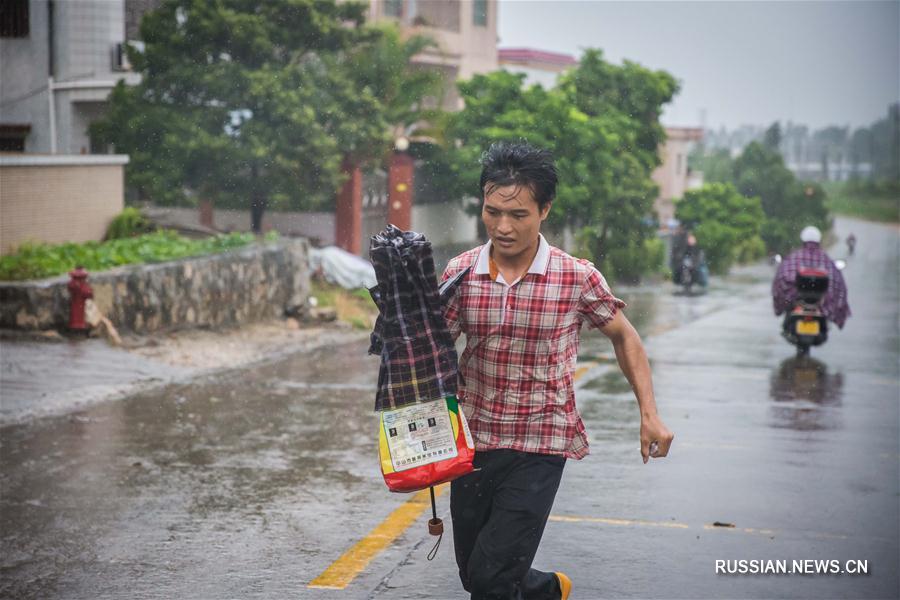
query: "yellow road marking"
608, 521
353, 561
706, 527
345, 569
742, 530
580, 371
667, 524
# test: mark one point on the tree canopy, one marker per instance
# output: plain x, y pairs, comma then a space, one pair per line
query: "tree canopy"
726, 223
602, 124
759, 173
789, 204
245, 102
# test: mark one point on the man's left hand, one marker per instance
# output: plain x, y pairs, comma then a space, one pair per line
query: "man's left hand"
654, 430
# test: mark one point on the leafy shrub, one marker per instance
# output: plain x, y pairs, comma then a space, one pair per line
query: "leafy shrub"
628, 258
35, 261
131, 222
789, 204
626, 264
727, 224
873, 200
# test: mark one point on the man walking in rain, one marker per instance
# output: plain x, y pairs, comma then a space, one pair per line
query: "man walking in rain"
522, 306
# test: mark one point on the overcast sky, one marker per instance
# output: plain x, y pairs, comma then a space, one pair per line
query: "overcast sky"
816, 63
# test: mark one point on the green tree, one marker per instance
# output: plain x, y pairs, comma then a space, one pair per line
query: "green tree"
407, 95
602, 124
625, 102
629, 91
261, 103
727, 224
788, 204
498, 108
831, 143
860, 149
886, 146
717, 165
772, 137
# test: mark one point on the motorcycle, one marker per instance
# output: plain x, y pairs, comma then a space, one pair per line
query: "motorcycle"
806, 325
692, 272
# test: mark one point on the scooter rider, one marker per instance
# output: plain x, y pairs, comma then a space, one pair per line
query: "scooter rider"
811, 256
851, 244
699, 270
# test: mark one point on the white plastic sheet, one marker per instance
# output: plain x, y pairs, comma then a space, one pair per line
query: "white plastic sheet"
342, 268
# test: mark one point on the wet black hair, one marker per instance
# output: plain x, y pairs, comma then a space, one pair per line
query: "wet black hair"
519, 163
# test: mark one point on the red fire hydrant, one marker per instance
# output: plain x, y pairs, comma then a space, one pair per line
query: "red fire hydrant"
79, 292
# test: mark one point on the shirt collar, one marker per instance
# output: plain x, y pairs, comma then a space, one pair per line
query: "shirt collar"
538, 265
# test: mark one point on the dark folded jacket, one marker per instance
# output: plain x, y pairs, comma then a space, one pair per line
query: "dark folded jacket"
418, 356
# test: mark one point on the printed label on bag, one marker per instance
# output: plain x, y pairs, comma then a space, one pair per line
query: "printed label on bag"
419, 435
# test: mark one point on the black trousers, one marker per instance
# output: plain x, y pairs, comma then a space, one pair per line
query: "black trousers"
499, 512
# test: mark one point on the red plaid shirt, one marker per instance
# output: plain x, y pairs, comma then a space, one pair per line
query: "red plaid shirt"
516, 374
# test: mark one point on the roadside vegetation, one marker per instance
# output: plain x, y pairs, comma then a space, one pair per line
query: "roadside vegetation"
750, 205
36, 261
788, 204
131, 222
355, 307
728, 224
601, 122
297, 95
875, 201
248, 120
261, 105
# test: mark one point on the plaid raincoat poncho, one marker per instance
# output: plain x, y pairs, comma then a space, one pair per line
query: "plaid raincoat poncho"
811, 256
418, 356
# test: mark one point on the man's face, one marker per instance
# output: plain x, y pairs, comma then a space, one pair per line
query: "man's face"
513, 219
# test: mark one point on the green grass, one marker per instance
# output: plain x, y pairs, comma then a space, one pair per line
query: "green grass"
36, 261
352, 306
871, 201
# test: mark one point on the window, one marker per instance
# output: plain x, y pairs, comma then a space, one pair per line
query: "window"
12, 137
393, 8
14, 18
8, 144
480, 13
440, 15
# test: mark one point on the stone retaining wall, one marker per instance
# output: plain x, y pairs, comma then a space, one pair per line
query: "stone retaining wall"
249, 284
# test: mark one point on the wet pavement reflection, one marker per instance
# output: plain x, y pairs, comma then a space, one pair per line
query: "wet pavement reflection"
251, 483
806, 396
195, 489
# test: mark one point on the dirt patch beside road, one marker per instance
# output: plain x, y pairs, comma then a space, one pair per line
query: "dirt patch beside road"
230, 348
205, 349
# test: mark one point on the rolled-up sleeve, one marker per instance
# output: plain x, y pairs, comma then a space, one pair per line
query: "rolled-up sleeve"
597, 306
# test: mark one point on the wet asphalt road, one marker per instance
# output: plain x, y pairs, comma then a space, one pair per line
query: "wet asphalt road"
250, 484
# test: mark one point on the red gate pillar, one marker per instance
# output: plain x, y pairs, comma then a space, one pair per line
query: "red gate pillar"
348, 212
206, 213
400, 190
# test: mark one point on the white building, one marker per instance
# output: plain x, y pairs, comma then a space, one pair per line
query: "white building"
58, 62
538, 66
673, 176
465, 32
